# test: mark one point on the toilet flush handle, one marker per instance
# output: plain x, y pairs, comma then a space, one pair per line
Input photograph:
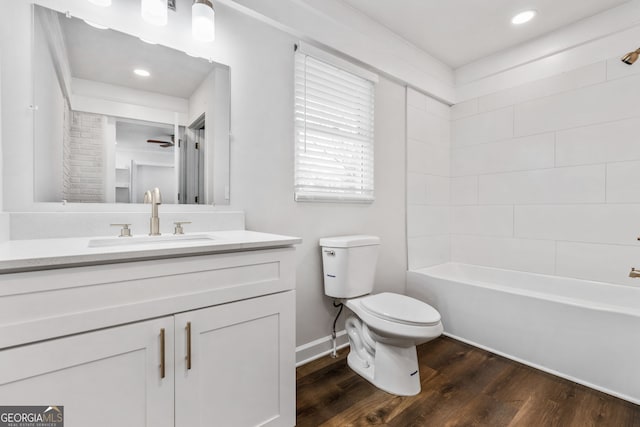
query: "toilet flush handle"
330, 252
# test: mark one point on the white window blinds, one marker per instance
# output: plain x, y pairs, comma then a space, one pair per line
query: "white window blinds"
334, 119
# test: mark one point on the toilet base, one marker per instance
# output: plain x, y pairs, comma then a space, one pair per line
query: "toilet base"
392, 369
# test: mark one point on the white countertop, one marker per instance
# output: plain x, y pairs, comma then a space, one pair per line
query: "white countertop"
41, 254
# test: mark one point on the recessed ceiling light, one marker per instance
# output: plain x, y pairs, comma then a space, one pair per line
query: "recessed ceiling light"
523, 17
142, 73
94, 25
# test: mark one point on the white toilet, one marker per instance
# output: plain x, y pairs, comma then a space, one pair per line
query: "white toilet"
387, 327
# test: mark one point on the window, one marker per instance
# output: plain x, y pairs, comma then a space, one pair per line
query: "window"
334, 121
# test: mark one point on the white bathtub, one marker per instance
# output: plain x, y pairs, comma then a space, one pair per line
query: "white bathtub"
587, 332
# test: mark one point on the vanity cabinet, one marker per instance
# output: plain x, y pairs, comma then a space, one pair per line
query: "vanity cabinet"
105, 378
194, 341
241, 358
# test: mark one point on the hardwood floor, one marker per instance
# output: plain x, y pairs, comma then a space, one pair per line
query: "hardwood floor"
461, 386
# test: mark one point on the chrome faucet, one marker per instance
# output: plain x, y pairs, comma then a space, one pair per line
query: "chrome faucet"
154, 197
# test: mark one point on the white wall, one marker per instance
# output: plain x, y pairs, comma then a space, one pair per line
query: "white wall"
428, 182
546, 175
118, 101
262, 169
125, 156
356, 35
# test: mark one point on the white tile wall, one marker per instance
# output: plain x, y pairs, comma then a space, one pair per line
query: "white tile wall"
428, 220
536, 256
584, 76
532, 152
596, 223
428, 182
603, 263
423, 189
464, 190
438, 190
483, 220
609, 101
546, 176
464, 109
579, 184
428, 158
602, 142
483, 127
429, 250
623, 182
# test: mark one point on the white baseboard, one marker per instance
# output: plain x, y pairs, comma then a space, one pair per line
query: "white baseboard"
320, 347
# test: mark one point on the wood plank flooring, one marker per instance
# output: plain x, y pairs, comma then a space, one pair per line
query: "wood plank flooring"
461, 386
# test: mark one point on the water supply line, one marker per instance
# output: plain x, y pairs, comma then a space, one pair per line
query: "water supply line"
334, 352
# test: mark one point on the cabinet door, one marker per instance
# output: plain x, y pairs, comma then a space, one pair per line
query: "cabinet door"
110, 377
242, 364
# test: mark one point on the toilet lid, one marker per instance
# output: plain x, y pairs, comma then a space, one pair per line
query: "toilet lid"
401, 308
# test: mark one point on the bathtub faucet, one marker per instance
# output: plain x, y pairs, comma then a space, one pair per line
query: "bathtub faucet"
634, 274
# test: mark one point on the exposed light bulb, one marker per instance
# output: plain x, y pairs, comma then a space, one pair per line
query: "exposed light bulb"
523, 17
101, 3
203, 27
154, 11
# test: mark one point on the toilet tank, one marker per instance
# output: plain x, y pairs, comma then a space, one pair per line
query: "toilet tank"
349, 265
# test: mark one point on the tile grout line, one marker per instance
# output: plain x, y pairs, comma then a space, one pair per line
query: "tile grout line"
537, 133
606, 172
555, 149
555, 257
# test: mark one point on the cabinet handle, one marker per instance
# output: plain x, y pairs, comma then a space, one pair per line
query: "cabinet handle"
188, 328
162, 361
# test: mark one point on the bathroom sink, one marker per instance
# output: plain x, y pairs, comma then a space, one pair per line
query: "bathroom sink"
144, 240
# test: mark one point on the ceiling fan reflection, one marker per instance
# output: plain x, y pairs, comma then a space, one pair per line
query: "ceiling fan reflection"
163, 144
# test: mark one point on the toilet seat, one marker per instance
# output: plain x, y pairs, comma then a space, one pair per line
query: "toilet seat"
401, 309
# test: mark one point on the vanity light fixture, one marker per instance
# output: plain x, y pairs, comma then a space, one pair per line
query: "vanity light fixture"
101, 3
631, 57
154, 11
203, 27
140, 72
94, 25
523, 17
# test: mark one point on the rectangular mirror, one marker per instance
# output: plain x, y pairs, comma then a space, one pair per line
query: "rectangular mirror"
117, 115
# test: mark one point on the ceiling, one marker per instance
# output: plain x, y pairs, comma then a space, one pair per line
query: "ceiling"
133, 135
109, 56
458, 32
